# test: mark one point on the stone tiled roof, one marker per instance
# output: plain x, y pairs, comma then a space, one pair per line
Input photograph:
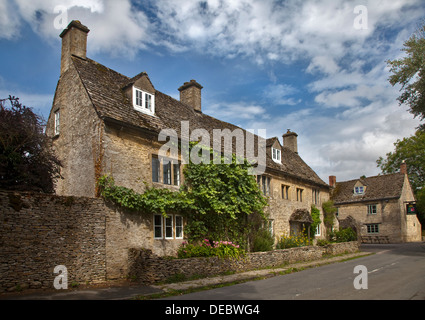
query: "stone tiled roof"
377, 188
105, 89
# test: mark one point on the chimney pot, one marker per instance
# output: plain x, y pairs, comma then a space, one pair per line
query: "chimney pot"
190, 94
332, 181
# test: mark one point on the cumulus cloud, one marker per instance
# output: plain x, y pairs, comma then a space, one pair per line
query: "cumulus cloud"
116, 26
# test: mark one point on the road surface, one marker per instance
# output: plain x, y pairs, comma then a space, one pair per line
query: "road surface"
395, 271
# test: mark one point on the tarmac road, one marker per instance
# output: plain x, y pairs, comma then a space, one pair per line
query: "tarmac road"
396, 271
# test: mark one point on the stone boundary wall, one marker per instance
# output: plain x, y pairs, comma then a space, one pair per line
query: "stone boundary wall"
39, 232
149, 268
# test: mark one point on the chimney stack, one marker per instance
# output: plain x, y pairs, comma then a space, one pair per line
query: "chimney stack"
403, 167
190, 94
332, 181
74, 42
290, 141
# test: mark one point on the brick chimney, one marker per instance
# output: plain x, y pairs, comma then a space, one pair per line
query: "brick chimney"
74, 42
190, 94
290, 141
403, 167
332, 181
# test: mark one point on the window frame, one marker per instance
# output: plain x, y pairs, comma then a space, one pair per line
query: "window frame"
171, 227
359, 190
155, 226
370, 210
57, 122
178, 226
276, 155
372, 228
285, 192
143, 101
300, 194
166, 227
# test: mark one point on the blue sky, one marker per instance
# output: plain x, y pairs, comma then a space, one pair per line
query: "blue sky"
315, 67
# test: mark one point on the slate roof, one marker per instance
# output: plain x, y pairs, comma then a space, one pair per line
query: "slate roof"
383, 187
105, 89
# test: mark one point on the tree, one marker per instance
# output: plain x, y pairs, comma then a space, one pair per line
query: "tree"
411, 150
409, 72
26, 160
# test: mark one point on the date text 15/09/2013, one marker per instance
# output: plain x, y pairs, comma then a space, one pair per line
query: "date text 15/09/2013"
221, 309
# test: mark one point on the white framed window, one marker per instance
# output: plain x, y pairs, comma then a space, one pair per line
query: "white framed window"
143, 101
359, 190
371, 209
169, 228
276, 155
157, 226
57, 122
179, 227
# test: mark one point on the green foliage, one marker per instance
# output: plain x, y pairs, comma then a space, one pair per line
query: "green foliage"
152, 201
344, 235
221, 249
315, 214
263, 241
292, 241
409, 72
411, 150
329, 211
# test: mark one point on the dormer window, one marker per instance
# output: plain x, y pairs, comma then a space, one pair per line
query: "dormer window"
276, 155
143, 101
359, 190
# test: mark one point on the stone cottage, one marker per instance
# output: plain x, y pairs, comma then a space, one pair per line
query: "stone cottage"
378, 206
103, 122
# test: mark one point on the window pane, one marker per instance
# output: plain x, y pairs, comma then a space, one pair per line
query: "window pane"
176, 174
179, 227
155, 169
169, 227
57, 122
166, 170
158, 227
148, 101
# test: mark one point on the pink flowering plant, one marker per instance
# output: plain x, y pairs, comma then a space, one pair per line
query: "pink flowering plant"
207, 248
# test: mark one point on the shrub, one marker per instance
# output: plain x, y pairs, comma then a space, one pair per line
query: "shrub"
293, 241
222, 249
344, 235
263, 241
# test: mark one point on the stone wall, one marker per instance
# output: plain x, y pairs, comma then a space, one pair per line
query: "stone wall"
39, 232
149, 268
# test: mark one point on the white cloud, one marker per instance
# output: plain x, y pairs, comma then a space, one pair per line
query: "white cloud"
116, 26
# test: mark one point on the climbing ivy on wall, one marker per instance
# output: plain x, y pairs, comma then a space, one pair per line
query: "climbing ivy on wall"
315, 214
220, 201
